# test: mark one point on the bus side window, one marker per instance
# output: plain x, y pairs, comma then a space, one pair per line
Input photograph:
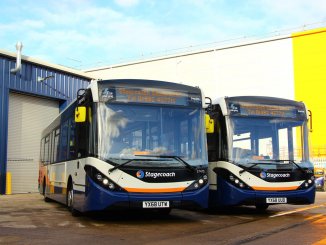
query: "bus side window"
216, 142
72, 139
213, 138
212, 143
51, 149
81, 139
56, 144
46, 150
42, 150
63, 145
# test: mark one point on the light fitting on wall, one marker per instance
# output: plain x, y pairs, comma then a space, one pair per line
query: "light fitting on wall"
42, 79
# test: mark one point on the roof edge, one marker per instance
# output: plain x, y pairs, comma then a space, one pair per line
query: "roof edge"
46, 64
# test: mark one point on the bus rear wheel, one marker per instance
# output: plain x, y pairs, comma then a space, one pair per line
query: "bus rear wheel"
70, 200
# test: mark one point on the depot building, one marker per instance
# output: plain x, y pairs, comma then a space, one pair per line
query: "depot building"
32, 93
290, 66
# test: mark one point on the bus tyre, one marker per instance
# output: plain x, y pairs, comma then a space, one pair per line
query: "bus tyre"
164, 211
45, 198
262, 206
70, 200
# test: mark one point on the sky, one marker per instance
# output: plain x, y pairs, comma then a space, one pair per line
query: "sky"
84, 34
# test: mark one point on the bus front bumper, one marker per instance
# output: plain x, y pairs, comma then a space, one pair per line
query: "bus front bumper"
98, 198
229, 195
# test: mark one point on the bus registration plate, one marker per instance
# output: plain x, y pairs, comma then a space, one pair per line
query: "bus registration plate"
156, 204
276, 200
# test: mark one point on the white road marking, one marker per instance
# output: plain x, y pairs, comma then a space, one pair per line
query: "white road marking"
297, 210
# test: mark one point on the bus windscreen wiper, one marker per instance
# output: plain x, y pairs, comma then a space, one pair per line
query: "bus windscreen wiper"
119, 165
279, 160
293, 162
253, 165
247, 168
124, 163
178, 158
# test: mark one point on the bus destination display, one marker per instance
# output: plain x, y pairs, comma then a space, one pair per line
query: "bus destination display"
146, 95
247, 109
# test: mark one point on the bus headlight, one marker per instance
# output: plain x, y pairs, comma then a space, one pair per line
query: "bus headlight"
101, 179
307, 184
237, 182
199, 183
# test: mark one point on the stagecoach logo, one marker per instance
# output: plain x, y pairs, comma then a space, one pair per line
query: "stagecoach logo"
263, 175
140, 174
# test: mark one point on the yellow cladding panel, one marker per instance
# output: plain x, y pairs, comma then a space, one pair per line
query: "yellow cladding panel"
309, 50
8, 183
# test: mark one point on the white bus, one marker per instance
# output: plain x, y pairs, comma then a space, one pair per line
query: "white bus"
127, 144
259, 152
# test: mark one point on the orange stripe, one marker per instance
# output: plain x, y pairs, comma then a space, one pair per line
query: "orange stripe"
321, 242
289, 188
155, 190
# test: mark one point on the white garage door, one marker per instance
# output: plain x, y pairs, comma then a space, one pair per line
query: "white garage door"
28, 116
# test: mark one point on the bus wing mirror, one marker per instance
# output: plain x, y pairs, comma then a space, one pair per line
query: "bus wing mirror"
80, 114
209, 124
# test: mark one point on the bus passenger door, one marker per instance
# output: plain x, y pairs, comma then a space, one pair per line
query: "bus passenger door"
79, 175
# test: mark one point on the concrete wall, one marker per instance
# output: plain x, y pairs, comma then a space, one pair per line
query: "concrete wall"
291, 67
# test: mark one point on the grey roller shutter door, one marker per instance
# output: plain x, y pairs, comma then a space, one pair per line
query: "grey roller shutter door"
28, 116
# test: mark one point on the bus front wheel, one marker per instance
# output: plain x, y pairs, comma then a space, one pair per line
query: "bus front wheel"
45, 198
70, 199
262, 207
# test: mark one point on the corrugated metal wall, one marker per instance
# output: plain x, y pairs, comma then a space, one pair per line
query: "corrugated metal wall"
61, 86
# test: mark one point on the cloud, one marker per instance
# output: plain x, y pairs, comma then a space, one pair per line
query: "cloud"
126, 3
97, 31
